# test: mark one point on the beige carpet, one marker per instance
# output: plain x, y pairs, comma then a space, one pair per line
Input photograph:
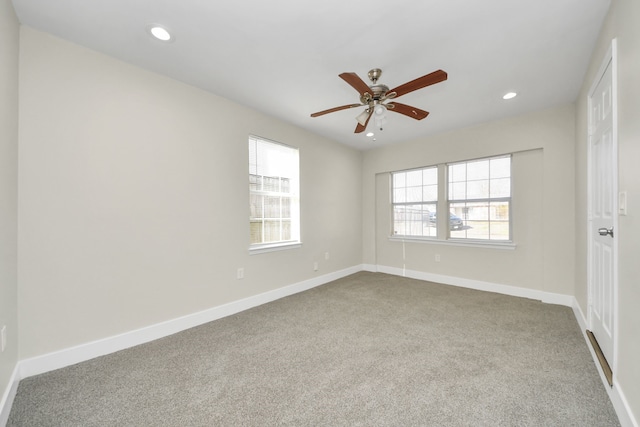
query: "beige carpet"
367, 350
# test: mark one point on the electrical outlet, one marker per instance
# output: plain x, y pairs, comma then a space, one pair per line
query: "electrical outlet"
315, 266
3, 337
437, 257
240, 274
326, 256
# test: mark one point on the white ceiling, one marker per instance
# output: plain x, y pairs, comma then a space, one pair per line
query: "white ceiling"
283, 57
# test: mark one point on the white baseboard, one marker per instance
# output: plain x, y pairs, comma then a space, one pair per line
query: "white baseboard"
546, 297
70, 356
370, 267
616, 395
8, 396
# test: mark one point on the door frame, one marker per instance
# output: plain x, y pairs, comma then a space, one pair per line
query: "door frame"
610, 57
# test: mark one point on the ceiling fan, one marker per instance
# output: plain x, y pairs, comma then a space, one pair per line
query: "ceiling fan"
374, 97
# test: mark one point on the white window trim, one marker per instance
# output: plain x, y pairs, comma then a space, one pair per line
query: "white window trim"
273, 247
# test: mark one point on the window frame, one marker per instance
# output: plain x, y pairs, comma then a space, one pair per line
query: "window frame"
422, 201
487, 200
293, 195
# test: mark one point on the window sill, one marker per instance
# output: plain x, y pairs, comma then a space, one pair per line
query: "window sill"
454, 242
273, 247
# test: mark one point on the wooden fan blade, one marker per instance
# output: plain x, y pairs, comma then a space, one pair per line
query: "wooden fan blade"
424, 81
333, 110
356, 82
407, 110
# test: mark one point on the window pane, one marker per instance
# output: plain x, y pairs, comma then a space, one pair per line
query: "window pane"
478, 189
478, 170
500, 187
286, 230
458, 191
253, 157
430, 176
255, 182
414, 178
500, 211
477, 211
500, 168
430, 192
285, 207
499, 230
414, 194
285, 185
458, 173
271, 207
272, 231
398, 219
255, 206
429, 219
255, 230
399, 180
400, 195
271, 183
414, 213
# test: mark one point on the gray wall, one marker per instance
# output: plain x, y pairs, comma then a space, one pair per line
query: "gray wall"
623, 23
134, 199
543, 179
9, 36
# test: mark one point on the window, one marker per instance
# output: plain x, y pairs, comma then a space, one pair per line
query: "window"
480, 196
415, 200
476, 201
274, 217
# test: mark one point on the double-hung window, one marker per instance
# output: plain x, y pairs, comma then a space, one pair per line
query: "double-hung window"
415, 200
274, 216
480, 195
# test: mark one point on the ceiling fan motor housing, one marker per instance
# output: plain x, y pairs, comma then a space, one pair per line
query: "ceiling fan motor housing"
378, 91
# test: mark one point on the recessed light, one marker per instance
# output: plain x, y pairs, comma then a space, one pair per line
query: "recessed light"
509, 95
370, 134
160, 33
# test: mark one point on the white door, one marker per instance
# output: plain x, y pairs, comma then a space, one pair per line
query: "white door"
602, 212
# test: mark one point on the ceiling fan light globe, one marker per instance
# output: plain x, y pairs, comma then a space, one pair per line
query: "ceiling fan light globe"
362, 117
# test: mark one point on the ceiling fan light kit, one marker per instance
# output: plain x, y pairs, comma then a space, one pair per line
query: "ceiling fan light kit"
375, 97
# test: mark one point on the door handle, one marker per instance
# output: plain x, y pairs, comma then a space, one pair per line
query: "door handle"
605, 231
